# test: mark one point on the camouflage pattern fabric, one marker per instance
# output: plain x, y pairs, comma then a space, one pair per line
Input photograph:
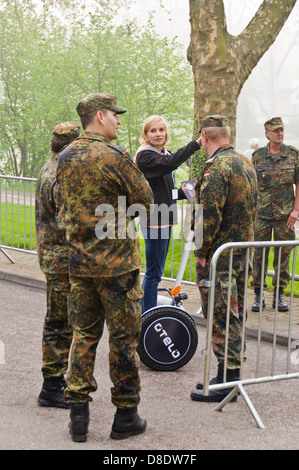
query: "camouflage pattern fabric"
263, 231
104, 281
57, 333
53, 259
97, 101
273, 123
116, 300
213, 121
50, 221
276, 175
91, 172
227, 189
220, 311
68, 130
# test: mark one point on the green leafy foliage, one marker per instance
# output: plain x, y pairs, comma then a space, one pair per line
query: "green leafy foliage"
47, 65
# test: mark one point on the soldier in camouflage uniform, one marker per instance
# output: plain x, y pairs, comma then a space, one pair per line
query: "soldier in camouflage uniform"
227, 189
53, 259
104, 263
277, 168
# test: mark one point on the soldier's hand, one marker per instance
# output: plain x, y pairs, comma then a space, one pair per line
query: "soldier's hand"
292, 218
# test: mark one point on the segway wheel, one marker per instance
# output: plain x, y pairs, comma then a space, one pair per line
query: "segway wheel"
168, 338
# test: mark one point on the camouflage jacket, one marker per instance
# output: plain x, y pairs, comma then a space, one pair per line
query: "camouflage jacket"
49, 222
227, 189
276, 175
99, 183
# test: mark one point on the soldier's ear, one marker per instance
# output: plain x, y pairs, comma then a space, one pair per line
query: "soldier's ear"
100, 117
204, 136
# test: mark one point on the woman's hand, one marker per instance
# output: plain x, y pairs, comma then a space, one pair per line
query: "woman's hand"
199, 141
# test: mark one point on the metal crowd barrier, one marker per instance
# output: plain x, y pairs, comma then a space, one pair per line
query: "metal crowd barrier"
238, 386
17, 202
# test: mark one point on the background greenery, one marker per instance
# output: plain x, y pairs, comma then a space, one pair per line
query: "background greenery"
49, 62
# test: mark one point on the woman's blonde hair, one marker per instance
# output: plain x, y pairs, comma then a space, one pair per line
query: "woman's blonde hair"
148, 123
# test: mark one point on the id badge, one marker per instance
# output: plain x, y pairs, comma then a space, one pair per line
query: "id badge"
175, 194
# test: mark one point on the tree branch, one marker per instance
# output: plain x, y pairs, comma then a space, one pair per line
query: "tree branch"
262, 32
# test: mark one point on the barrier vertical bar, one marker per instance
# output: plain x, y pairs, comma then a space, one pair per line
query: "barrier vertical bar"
12, 212
210, 312
30, 186
244, 310
1, 210
275, 313
260, 313
228, 313
6, 212
18, 203
291, 312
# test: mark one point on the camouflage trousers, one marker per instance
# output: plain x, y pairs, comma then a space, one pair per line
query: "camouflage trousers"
57, 333
116, 300
236, 301
263, 232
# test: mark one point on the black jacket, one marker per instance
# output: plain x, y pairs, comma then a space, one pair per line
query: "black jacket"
158, 168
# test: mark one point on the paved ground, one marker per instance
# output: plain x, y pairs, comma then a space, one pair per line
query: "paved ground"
175, 423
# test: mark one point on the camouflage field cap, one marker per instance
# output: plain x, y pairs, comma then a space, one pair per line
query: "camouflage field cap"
97, 101
68, 130
213, 121
274, 123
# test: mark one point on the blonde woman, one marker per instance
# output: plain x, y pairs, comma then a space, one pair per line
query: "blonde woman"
157, 164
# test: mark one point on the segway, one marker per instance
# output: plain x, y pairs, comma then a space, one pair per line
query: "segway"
169, 335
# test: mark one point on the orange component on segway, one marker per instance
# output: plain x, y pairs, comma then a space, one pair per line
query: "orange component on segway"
175, 290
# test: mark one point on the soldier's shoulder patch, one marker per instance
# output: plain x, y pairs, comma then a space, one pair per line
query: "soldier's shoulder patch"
120, 149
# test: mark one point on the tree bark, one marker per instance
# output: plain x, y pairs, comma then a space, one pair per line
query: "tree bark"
221, 62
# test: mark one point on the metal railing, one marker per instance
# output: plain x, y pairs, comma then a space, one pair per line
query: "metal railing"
17, 201
238, 386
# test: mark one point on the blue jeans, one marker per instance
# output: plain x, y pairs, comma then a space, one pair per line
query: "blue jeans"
156, 248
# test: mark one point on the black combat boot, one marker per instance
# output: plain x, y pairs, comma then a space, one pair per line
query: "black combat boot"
79, 421
127, 423
257, 301
282, 306
217, 395
213, 381
52, 393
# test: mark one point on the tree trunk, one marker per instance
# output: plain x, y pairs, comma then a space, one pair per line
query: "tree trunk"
221, 62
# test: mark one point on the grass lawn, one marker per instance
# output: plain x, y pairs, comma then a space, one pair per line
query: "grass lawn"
17, 225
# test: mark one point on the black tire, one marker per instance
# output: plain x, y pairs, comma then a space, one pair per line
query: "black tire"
168, 338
